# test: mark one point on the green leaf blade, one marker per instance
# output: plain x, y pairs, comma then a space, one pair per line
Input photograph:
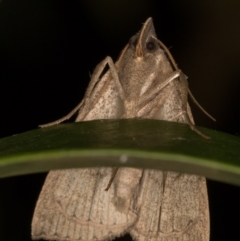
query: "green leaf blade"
137, 143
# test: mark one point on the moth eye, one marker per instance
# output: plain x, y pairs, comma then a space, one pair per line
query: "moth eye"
150, 45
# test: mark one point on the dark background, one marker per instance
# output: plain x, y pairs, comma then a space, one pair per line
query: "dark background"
49, 48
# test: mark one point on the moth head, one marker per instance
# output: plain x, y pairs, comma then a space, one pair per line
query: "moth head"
145, 41
144, 52
143, 61
145, 47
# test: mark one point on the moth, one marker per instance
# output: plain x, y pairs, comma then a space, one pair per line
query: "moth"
150, 205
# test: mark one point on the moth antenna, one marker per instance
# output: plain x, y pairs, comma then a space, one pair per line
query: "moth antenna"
199, 106
169, 55
112, 178
193, 127
68, 116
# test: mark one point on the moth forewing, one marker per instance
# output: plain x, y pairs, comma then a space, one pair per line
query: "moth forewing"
104, 99
174, 207
74, 206
151, 205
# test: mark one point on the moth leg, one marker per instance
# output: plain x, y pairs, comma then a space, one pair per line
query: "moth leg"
92, 87
97, 86
97, 73
147, 96
68, 116
183, 92
194, 128
148, 110
95, 78
153, 99
199, 106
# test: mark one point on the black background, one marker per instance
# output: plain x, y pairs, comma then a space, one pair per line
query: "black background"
48, 49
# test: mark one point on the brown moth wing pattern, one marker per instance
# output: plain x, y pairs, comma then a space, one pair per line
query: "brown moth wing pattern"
54, 217
173, 207
74, 206
149, 204
102, 99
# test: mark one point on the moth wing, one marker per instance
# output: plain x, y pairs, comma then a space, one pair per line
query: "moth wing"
172, 207
105, 102
73, 205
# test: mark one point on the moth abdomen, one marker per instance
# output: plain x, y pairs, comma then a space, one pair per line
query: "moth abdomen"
126, 184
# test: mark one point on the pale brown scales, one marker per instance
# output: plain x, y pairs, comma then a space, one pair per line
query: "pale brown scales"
151, 205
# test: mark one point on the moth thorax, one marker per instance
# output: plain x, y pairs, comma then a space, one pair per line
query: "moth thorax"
126, 182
